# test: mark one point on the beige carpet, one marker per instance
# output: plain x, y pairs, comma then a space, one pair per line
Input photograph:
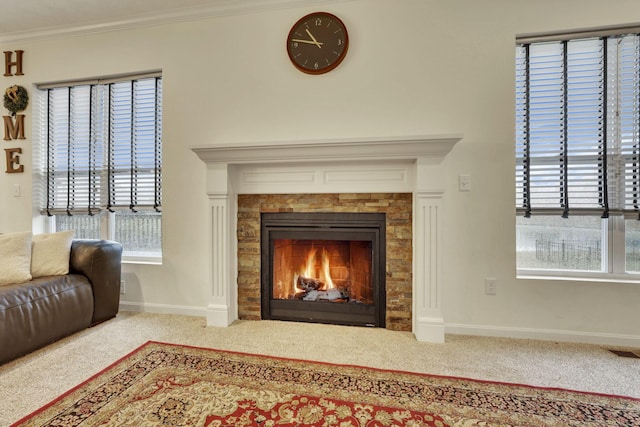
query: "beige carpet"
32, 381
173, 385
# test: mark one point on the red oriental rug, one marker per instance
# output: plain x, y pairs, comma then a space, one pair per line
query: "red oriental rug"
171, 385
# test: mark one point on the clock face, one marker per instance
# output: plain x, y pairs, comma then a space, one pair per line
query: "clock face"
317, 43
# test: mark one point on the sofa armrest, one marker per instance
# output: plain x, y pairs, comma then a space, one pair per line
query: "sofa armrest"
101, 262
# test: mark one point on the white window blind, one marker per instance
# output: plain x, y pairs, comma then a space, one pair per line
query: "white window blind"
577, 126
134, 149
104, 146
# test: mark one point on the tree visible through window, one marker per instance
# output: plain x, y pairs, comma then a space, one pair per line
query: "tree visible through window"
578, 153
101, 160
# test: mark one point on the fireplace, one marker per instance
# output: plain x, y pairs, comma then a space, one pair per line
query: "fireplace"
401, 164
323, 267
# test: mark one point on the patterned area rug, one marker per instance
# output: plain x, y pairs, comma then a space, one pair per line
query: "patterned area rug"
170, 385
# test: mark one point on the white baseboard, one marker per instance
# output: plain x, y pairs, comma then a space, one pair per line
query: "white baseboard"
163, 309
545, 335
597, 338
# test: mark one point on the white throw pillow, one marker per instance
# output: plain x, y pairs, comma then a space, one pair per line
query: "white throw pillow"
50, 253
15, 258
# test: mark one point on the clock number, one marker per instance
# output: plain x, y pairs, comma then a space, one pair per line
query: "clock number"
339, 42
318, 22
316, 65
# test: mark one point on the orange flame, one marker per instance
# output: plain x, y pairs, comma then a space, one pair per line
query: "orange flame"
311, 270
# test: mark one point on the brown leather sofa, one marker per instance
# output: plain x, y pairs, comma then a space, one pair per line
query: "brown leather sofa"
43, 310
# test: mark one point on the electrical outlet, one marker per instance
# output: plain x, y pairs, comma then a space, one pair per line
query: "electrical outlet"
122, 290
490, 286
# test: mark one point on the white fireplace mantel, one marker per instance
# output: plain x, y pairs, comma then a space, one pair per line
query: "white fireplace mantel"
407, 147
394, 164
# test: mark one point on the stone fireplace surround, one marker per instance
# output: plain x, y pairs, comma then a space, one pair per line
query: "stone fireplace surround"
397, 208
407, 164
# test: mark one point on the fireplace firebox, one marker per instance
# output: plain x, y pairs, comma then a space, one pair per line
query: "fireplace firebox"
323, 267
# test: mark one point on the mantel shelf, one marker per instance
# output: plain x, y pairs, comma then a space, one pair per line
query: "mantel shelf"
379, 148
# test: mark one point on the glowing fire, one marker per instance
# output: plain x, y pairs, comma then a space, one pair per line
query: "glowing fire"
310, 269
318, 270
321, 270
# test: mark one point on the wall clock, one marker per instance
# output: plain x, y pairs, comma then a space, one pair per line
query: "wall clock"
317, 43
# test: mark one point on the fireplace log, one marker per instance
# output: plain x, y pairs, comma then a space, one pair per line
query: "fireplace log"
331, 295
309, 284
299, 295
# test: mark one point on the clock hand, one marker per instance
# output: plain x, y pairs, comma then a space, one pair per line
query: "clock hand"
307, 41
314, 39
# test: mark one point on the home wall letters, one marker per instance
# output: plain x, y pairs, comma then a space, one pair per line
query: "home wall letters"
16, 99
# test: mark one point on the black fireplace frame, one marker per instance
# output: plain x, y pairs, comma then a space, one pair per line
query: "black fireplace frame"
324, 226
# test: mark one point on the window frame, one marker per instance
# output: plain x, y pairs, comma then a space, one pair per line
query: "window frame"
46, 219
613, 222
108, 231
614, 252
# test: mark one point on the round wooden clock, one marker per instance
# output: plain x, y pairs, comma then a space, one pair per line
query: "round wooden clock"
317, 43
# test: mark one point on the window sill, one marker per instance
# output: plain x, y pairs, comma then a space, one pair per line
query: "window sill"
141, 260
577, 276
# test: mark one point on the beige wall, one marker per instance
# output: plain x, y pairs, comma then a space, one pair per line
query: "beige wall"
413, 67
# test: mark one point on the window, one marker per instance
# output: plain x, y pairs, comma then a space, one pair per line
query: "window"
578, 155
100, 160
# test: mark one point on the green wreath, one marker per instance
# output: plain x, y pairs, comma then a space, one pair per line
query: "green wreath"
16, 99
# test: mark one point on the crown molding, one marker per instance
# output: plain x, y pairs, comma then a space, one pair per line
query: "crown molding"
218, 9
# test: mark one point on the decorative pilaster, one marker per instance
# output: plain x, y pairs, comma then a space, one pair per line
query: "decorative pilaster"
222, 307
428, 318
